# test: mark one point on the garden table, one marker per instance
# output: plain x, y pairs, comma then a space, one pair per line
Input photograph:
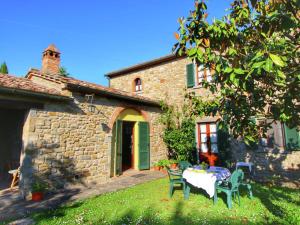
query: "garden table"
205, 179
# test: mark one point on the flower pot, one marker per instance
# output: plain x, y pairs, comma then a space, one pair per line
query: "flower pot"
173, 166
156, 168
163, 170
37, 196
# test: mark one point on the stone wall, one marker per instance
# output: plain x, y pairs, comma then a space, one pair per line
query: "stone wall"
275, 164
65, 143
47, 83
166, 81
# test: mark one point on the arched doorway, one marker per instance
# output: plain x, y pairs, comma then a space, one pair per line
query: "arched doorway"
130, 142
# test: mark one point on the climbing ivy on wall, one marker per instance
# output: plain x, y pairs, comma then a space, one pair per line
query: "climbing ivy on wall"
179, 131
180, 127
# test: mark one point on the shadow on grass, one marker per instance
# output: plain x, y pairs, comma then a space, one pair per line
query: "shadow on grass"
55, 213
277, 201
278, 213
275, 198
150, 217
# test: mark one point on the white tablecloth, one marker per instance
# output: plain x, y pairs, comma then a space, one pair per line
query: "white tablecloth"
205, 181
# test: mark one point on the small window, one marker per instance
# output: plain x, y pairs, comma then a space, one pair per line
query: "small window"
203, 74
207, 137
137, 85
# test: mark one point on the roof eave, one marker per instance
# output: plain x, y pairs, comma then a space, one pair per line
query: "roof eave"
79, 88
144, 65
28, 93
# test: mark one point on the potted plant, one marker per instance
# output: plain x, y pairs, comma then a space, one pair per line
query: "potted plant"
163, 163
37, 190
173, 163
204, 165
156, 166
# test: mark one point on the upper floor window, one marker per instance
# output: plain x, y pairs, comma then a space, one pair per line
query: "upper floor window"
203, 74
137, 85
196, 75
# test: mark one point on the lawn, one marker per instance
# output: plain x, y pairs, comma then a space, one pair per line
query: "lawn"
149, 204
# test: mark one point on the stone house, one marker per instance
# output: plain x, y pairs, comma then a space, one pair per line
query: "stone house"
67, 130
169, 78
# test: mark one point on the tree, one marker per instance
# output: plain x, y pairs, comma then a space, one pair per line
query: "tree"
63, 72
254, 50
3, 68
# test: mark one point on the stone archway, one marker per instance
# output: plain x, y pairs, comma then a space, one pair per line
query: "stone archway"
118, 122
120, 109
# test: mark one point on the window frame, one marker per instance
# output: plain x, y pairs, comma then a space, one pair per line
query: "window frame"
137, 87
208, 134
207, 72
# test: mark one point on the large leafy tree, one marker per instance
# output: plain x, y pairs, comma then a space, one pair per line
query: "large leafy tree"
3, 68
254, 50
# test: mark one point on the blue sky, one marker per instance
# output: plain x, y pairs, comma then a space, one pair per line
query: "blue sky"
94, 36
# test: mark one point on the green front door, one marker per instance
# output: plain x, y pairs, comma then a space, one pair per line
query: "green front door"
144, 146
118, 155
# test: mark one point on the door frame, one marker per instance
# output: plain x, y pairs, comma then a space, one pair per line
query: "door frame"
132, 144
130, 114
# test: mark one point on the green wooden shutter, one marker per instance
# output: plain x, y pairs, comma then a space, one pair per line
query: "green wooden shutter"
190, 75
118, 158
144, 146
292, 138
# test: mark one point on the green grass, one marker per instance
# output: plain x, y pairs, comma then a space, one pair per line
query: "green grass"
149, 204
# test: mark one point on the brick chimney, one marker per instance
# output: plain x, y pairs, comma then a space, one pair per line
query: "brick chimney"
51, 60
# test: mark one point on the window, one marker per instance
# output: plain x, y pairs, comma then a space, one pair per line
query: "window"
137, 85
196, 75
207, 137
203, 74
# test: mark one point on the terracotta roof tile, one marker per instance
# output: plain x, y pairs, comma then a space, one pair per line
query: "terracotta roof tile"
70, 81
107, 89
13, 82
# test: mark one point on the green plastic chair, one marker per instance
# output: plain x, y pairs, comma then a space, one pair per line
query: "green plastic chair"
247, 185
230, 187
184, 165
175, 177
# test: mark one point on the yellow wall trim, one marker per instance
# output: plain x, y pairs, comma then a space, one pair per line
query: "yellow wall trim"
134, 116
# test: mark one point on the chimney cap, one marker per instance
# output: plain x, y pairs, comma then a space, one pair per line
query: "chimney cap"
52, 48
